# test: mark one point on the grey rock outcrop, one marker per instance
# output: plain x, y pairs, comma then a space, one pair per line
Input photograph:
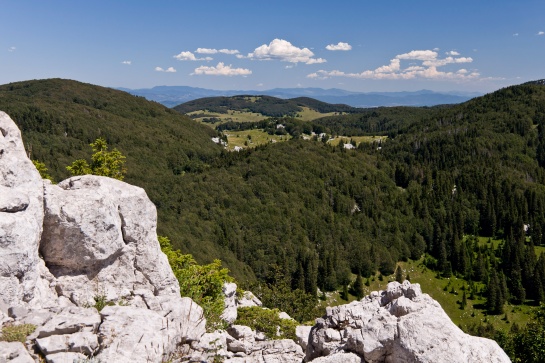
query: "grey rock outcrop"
399, 324
21, 218
87, 241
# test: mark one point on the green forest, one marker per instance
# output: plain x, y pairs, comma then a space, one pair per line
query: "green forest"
303, 215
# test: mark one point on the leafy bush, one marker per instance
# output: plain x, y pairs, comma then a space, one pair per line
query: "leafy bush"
103, 162
267, 321
16, 333
42, 169
202, 283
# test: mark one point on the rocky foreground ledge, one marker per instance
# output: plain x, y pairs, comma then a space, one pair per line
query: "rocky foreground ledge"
64, 245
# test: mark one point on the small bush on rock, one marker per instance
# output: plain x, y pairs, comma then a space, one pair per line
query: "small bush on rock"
16, 333
267, 321
202, 283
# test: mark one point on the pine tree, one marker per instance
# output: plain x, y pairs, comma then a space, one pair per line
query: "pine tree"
399, 274
358, 287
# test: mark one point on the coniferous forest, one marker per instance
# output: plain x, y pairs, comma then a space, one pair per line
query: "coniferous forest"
307, 215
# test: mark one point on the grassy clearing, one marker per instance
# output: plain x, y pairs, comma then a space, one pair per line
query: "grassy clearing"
251, 138
231, 115
448, 292
308, 114
256, 137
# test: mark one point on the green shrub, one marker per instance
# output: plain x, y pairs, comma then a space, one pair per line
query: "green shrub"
202, 283
16, 333
267, 321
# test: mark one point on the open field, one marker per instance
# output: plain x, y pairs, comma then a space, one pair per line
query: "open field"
308, 114
256, 137
251, 138
235, 116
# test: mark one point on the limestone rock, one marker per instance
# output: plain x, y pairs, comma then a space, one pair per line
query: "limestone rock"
399, 324
68, 321
130, 334
340, 358
100, 239
81, 342
303, 332
65, 357
230, 312
248, 299
14, 352
21, 216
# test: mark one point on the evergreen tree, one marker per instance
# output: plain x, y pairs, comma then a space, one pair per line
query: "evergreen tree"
358, 287
399, 274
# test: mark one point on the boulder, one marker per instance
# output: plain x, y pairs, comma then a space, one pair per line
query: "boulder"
21, 218
100, 241
303, 332
248, 299
14, 352
81, 342
399, 324
230, 312
70, 320
66, 357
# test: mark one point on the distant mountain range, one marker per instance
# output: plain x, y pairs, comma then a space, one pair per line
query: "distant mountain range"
171, 96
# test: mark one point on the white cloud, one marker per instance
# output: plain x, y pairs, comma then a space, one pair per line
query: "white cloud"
206, 51
215, 51
188, 56
419, 55
541, 33
168, 70
11, 49
452, 52
316, 61
339, 46
221, 70
516, 34
428, 68
228, 51
127, 62
283, 50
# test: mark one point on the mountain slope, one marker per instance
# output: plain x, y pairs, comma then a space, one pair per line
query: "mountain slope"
60, 118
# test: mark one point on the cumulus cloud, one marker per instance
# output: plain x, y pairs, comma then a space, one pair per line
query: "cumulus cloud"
127, 62
339, 46
215, 51
541, 33
428, 68
422, 55
188, 56
221, 70
168, 70
11, 49
280, 49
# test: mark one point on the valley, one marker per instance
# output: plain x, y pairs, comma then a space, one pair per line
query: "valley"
298, 216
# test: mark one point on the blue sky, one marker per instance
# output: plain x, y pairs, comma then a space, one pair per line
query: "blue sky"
357, 45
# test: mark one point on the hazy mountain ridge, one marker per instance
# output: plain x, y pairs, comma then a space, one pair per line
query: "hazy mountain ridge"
171, 96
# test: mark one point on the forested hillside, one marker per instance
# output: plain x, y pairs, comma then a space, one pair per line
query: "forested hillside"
265, 105
319, 213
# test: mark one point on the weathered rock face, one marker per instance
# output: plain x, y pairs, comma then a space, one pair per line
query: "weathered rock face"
399, 324
21, 217
98, 240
